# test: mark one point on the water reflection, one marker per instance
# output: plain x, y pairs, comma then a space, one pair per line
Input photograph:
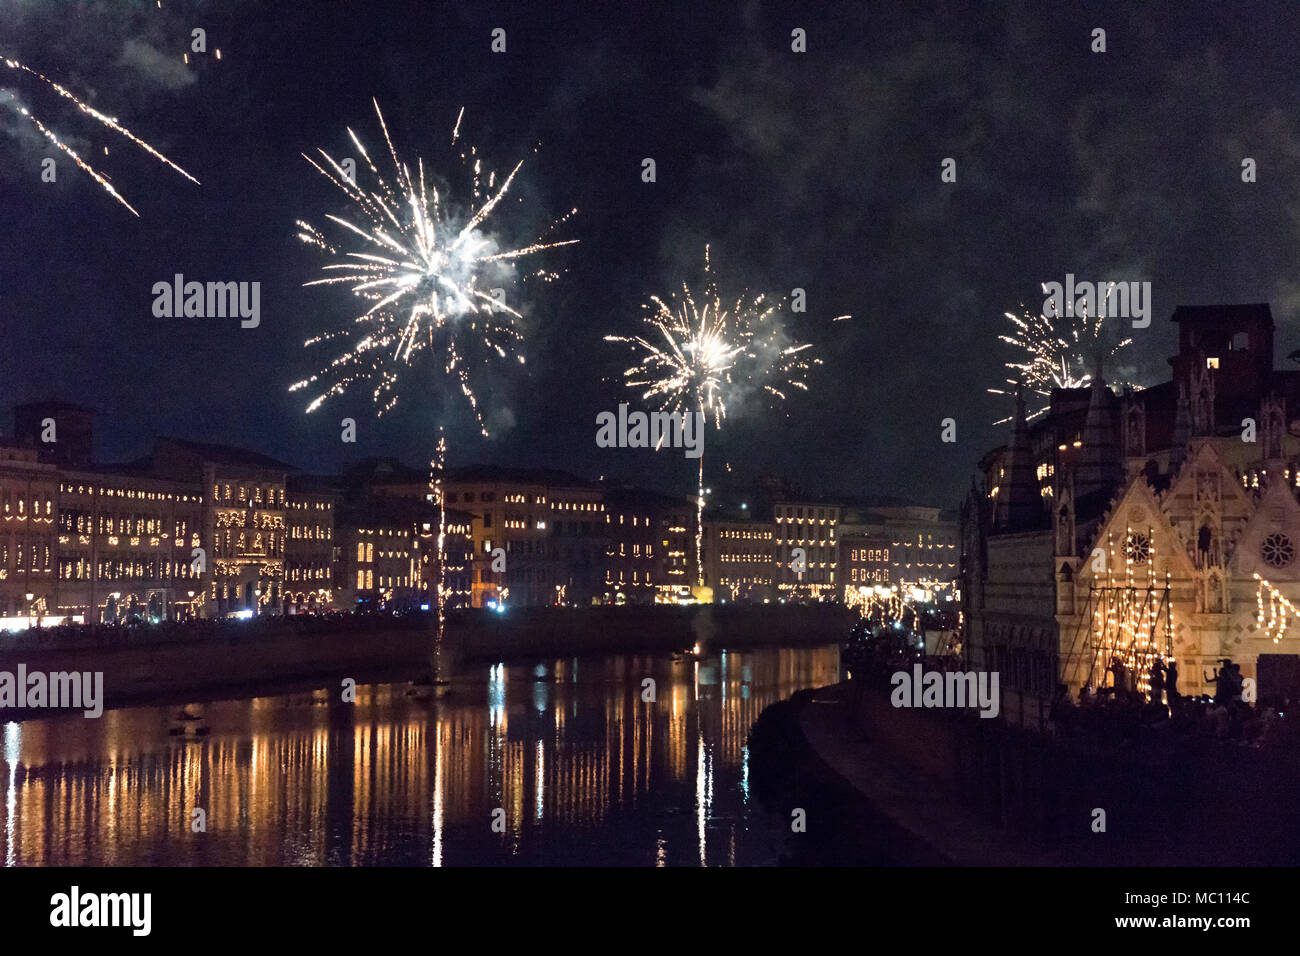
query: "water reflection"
565, 758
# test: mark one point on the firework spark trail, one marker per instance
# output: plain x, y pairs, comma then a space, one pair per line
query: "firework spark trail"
428, 279
427, 275
1059, 352
703, 353
437, 468
108, 121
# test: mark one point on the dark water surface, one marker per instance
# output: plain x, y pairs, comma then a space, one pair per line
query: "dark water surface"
583, 770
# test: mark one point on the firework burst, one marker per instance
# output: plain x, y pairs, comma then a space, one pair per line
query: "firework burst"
700, 357
1060, 352
706, 355
428, 269
90, 111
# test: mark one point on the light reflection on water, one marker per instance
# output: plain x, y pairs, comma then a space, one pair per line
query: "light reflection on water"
584, 770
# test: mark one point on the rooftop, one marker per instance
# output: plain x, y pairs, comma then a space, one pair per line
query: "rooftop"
226, 454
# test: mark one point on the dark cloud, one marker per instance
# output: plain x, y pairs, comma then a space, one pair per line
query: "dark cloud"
1121, 166
816, 170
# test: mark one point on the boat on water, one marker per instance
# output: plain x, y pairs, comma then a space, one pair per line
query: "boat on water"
427, 688
188, 722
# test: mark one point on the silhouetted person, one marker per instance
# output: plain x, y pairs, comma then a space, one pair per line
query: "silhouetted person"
1123, 678
1157, 681
1218, 690
1236, 682
1223, 682
1171, 682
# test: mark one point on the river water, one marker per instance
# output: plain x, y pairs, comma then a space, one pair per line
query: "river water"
558, 762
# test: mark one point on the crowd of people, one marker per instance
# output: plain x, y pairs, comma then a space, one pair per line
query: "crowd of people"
1118, 708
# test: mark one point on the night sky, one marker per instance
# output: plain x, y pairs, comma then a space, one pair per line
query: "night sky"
818, 170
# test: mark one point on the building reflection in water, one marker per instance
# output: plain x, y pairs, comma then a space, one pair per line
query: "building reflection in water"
584, 770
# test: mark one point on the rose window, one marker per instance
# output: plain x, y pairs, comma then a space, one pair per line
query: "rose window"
1137, 548
1277, 550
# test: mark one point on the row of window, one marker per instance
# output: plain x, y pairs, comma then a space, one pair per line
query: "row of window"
869, 554
125, 493
813, 513
83, 522
32, 557
818, 533
128, 568
255, 495
243, 544
366, 581
315, 533
878, 575
21, 510
487, 497
245, 519
313, 572
366, 553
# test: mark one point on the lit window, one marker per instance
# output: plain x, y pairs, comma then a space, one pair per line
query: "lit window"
1211, 363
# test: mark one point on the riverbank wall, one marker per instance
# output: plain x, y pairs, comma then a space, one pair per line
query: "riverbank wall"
143, 665
1160, 799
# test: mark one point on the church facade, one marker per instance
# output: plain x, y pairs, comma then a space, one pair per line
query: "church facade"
1156, 524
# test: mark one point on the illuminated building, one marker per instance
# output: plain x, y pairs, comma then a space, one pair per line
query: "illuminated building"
580, 541
244, 520
309, 548
126, 544
385, 547
897, 544
538, 535
378, 562
206, 530
28, 535
121, 537
1169, 531
739, 562
810, 525
650, 554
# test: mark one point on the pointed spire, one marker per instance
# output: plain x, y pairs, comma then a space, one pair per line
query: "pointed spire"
1272, 430
1099, 466
1019, 505
1182, 429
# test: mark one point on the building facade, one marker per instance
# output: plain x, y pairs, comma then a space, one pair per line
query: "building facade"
538, 536
807, 549
29, 494
309, 548
1168, 529
650, 547
898, 546
740, 557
